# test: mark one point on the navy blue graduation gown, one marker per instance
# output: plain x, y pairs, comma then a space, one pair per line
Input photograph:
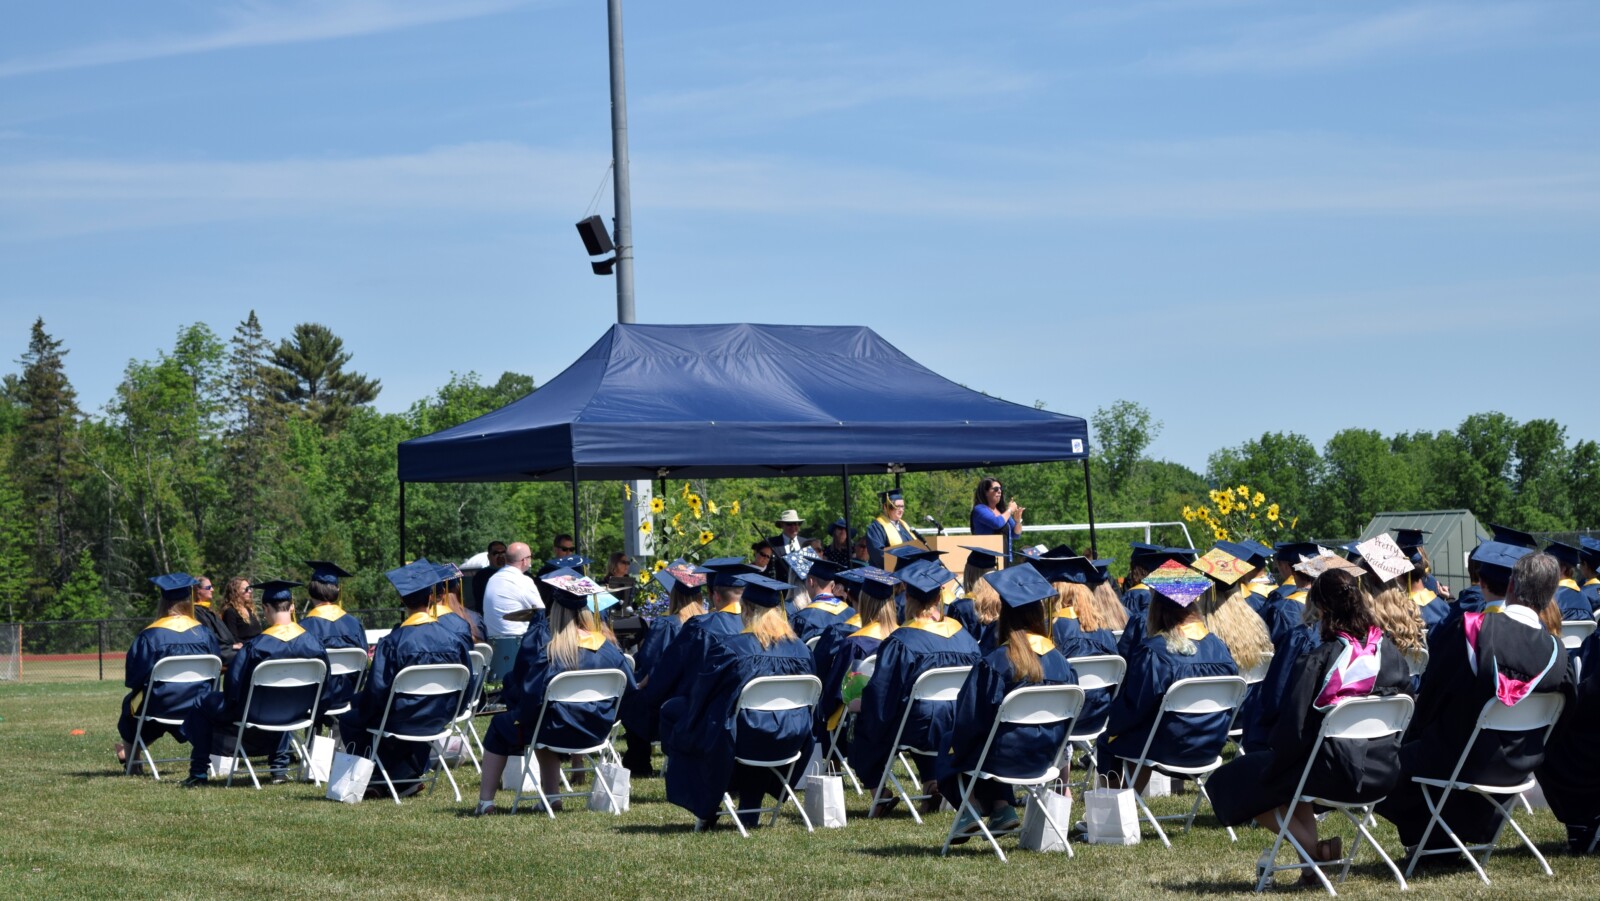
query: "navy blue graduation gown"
1018, 749
1257, 720
169, 636
1434, 609
1574, 606
1072, 641
1183, 740
1591, 593
698, 731
878, 539
1284, 615
1136, 601
835, 663
1469, 601
639, 716
986, 634
418, 640
684, 657
1452, 697
219, 710
907, 653
823, 611
567, 725
336, 629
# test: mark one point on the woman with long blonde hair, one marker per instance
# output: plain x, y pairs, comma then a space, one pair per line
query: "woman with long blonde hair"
839, 653
698, 730
576, 642
1077, 627
979, 614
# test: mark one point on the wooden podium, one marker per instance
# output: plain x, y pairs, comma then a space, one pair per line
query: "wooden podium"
955, 556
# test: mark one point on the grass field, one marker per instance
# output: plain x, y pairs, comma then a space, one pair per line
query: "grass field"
73, 827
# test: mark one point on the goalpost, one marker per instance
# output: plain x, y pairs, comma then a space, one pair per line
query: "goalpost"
10, 652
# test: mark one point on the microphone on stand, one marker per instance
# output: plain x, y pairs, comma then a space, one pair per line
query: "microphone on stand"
936, 523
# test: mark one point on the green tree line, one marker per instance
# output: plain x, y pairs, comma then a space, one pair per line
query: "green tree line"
246, 456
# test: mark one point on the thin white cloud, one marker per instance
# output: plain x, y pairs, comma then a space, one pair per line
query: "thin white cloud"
258, 24
1326, 39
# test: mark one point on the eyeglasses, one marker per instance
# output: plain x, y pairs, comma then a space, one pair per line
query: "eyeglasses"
994, 488
568, 549
624, 562
898, 506
205, 587
763, 556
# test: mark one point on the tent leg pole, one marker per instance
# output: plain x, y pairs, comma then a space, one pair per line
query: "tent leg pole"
897, 481
844, 475
1088, 493
577, 520
402, 523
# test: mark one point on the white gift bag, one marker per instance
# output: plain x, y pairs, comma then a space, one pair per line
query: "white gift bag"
321, 762
1036, 834
612, 787
517, 775
221, 766
1111, 815
816, 764
1535, 797
1159, 786
348, 778
825, 800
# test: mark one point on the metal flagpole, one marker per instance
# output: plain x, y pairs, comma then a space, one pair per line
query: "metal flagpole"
1088, 491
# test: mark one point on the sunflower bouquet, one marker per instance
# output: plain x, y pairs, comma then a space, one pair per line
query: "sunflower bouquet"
1242, 512
690, 525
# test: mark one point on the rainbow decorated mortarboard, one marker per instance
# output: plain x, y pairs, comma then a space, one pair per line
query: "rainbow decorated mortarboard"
1566, 554
1222, 566
981, 557
1177, 582
175, 586
1384, 558
276, 590
762, 591
323, 571
1517, 537
1020, 585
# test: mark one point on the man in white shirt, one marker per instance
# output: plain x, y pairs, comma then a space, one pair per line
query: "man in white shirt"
510, 590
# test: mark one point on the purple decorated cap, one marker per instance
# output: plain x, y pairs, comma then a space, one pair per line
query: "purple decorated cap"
1177, 582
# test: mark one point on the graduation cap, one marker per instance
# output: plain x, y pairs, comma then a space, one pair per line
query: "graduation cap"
1498, 555
893, 494
762, 591
1316, 566
175, 586
981, 557
1148, 556
877, 582
1565, 553
925, 580
1384, 558
1517, 537
685, 577
1409, 539
725, 571
323, 571
1181, 554
446, 572
1589, 550
1020, 585
1102, 570
1352, 551
573, 561
412, 578
1248, 552
1294, 552
575, 591
275, 590
1079, 570
910, 553
824, 570
1177, 582
1222, 566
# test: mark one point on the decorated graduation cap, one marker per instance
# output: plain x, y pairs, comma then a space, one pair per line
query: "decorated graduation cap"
925, 580
323, 571
1517, 537
446, 572
571, 561
576, 591
414, 577
1384, 558
681, 579
1222, 566
1020, 585
1177, 582
1293, 552
981, 557
277, 590
911, 553
762, 591
175, 586
890, 496
1565, 553
1498, 555
1251, 553
725, 571
1316, 566
876, 582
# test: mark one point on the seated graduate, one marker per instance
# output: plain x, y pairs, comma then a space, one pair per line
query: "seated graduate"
204, 591
980, 562
1080, 625
1570, 780
686, 598
328, 622
839, 653
1569, 594
417, 641
1136, 594
175, 633
1355, 660
1026, 656
1284, 611
577, 642
674, 674
1110, 615
826, 607
282, 639
1148, 558
1589, 570
698, 732
979, 610
1421, 587
926, 641
1178, 646
1472, 599
1510, 651
448, 609
1228, 616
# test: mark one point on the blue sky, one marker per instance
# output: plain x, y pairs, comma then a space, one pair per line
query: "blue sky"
1246, 216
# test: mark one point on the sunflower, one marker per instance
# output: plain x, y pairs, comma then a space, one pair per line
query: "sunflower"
1272, 513
1222, 534
706, 537
644, 578
1188, 513
644, 527
1244, 490
711, 507
676, 519
1258, 499
657, 505
659, 565
734, 509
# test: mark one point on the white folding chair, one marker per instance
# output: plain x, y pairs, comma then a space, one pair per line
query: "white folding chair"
463, 725
431, 680
1358, 719
584, 686
941, 685
1206, 695
282, 698
1533, 713
1099, 672
846, 719
772, 694
373, 636
345, 662
811, 643
484, 648
1031, 705
187, 668
1252, 676
1573, 632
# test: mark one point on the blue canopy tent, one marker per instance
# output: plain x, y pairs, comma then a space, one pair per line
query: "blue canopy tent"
741, 400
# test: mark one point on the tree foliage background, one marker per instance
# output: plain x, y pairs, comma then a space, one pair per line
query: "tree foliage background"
244, 456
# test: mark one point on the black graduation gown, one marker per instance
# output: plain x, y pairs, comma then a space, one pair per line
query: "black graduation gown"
169, 636
1256, 722
1346, 770
907, 653
1452, 697
640, 717
219, 630
698, 730
1570, 780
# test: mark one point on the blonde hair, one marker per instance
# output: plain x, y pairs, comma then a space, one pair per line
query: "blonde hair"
768, 624
566, 626
236, 597
877, 610
1108, 610
985, 601
451, 600
1165, 618
916, 608
1396, 613
1071, 596
1239, 627
972, 575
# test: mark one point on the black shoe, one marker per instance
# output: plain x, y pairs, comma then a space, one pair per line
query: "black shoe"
195, 782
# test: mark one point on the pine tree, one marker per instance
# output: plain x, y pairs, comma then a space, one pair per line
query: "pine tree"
83, 596
308, 376
43, 459
258, 478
